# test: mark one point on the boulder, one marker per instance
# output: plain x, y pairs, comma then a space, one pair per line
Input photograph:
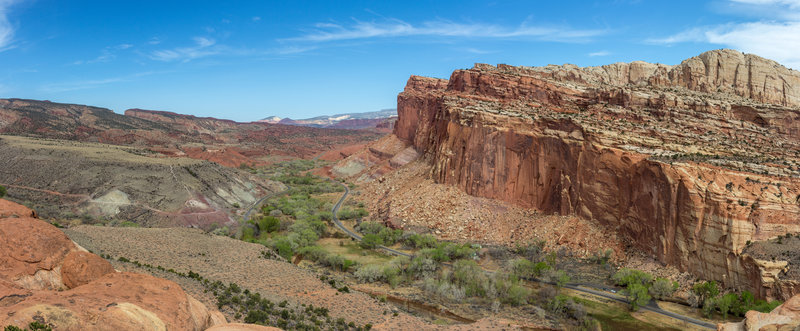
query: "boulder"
80, 268
32, 252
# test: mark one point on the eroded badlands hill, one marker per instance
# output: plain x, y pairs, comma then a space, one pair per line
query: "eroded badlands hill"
691, 162
67, 179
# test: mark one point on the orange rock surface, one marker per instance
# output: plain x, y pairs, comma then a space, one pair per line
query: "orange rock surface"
80, 268
45, 277
32, 252
10, 209
690, 161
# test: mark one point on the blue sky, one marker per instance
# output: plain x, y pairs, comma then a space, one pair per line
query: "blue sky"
248, 60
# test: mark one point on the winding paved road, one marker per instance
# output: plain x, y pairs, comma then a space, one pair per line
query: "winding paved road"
260, 201
652, 306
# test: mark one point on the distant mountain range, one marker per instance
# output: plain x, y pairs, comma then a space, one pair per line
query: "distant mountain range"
382, 120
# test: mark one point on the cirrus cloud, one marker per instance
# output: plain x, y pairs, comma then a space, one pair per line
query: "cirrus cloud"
775, 39
6, 28
388, 28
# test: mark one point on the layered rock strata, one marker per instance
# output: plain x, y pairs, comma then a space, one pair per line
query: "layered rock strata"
691, 161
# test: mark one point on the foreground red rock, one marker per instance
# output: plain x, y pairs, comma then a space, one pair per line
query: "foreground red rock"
45, 277
116, 301
10, 209
784, 317
691, 162
32, 253
80, 268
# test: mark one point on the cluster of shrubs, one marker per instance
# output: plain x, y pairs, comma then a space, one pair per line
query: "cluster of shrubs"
2, 191
252, 308
562, 305
333, 283
376, 235
33, 326
347, 213
544, 268
307, 228
295, 175
640, 286
326, 259
707, 295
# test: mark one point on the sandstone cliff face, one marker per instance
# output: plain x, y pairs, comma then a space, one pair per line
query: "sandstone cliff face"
45, 277
690, 176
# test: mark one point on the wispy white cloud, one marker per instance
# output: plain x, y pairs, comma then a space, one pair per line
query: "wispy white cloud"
477, 51
6, 28
256, 18
387, 28
775, 39
789, 3
599, 53
203, 47
290, 50
106, 55
93, 83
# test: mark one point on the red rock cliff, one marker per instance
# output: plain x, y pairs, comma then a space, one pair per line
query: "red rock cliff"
690, 176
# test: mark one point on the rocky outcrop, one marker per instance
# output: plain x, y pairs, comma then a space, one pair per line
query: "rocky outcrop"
32, 253
690, 167
9, 209
80, 268
784, 317
118, 301
45, 277
721, 71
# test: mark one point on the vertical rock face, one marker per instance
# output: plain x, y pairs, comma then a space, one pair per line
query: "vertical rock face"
689, 161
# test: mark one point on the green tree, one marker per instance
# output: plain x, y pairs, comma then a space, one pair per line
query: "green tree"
561, 278
540, 268
726, 302
522, 268
283, 247
269, 224
709, 305
663, 288
637, 295
626, 276
370, 241
2, 191
743, 304
706, 290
